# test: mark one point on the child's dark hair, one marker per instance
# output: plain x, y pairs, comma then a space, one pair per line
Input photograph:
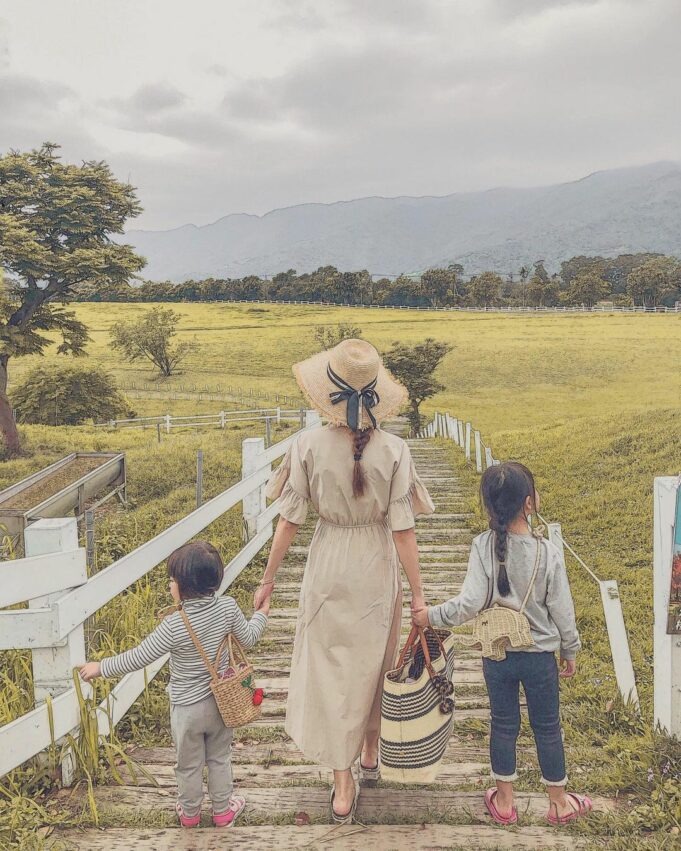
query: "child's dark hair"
503, 490
197, 568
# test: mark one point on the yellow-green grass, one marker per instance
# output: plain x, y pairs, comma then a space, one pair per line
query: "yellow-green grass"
504, 370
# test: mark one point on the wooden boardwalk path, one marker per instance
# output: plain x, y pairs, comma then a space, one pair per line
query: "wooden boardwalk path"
279, 783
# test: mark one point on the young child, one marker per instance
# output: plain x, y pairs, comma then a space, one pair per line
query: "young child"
199, 733
500, 568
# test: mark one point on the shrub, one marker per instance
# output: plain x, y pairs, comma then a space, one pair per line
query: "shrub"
68, 395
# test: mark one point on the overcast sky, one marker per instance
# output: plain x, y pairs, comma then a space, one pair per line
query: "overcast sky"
213, 107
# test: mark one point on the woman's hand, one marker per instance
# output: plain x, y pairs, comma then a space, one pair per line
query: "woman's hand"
419, 617
90, 671
568, 667
417, 601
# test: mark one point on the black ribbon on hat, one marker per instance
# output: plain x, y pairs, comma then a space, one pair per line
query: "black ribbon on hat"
367, 396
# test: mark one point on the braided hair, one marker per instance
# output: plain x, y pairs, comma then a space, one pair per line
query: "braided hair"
504, 488
359, 441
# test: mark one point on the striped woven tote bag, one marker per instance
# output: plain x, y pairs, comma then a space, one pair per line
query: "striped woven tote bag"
416, 717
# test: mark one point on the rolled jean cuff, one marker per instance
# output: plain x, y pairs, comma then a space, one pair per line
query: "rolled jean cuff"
562, 782
504, 778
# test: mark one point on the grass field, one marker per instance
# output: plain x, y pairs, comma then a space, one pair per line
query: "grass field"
590, 402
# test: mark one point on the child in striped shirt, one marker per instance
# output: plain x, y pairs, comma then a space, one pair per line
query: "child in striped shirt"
199, 733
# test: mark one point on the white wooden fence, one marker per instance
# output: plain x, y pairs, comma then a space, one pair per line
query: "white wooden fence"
218, 420
444, 425
52, 625
667, 648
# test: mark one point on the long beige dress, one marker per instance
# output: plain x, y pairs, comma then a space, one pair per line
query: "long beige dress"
350, 606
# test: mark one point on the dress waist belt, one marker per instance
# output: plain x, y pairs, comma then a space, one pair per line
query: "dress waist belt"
353, 525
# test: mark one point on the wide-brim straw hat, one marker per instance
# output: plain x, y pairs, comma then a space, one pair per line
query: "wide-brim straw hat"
358, 365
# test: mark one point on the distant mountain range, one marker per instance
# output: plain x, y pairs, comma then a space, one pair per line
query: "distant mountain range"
608, 213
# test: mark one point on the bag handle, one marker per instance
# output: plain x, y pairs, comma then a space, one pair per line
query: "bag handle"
190, 629
419, 634
534, 576
234, 648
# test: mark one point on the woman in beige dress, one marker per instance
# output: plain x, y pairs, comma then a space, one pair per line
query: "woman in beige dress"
362, 483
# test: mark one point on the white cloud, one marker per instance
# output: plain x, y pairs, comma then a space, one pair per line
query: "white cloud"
218, 108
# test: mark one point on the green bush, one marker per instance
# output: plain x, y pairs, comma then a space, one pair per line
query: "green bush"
68, 395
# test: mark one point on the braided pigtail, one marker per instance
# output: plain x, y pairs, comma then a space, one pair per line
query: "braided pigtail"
501, 548
360, 439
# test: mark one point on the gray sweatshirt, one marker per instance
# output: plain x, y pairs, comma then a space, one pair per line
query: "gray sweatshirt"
549, 609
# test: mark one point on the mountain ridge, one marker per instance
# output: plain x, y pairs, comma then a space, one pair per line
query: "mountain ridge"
607, 212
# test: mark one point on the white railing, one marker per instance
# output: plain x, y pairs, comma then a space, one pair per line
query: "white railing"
221, 419
598, 308
462, 433
52, 625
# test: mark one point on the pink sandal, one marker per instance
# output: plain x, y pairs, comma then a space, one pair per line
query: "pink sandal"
490, 795
584, 806
227, 819
187, 821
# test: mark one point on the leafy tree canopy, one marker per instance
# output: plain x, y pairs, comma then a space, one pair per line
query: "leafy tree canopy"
150, 338
414, 367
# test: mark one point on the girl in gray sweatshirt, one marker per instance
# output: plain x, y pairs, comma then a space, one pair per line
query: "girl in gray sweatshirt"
500, 569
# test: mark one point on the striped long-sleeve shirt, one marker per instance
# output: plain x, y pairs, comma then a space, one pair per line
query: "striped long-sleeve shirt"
212, 618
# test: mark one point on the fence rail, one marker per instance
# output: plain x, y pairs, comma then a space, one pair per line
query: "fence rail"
219, 420
447, 426
52, 626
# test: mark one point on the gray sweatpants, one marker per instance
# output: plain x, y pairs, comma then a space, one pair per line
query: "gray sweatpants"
201, 738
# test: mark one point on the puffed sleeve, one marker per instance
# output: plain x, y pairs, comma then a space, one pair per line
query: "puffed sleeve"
289, 484
408, 495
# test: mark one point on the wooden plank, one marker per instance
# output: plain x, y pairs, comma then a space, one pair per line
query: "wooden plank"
414, 805
434, 837
20, 578
29, 629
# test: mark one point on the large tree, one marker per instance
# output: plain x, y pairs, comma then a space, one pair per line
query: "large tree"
586, 288
414, 366
653, 280
440, 286
56, 222
485, 289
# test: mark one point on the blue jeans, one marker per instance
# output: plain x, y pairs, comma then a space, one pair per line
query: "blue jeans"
538, 672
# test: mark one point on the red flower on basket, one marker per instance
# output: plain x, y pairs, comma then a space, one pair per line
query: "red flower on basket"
258, 693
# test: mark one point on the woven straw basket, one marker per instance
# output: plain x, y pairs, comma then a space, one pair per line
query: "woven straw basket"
233, 695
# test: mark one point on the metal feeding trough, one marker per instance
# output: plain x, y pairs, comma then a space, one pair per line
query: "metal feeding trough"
68, 485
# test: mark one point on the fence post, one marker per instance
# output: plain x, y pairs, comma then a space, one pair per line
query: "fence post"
302, 417
489, 461
468, 441
158, 431
254, 503
455, 430
461, 437
222, 419
278, 413
167, 423
666, 648
90, 539
199, 478
268, 432
478, 452
53, 666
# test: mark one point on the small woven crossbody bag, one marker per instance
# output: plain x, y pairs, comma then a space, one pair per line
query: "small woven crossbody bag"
497, 627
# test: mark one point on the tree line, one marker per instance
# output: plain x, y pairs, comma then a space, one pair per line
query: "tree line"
645, 279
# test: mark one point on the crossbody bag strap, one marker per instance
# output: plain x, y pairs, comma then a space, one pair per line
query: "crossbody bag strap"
534, 576
190, 629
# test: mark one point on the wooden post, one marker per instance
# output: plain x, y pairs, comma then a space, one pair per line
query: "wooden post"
455, 429
268, 432
666, 648
614, 622
461, 437
199, 478
167, 423
222, 419
478, 452
158, 431
90, 540
468, 441
53, 666
302, 417
278, 413
489, 461
255, 502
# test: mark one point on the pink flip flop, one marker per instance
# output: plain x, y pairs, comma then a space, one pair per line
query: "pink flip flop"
584, 806
490, 795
